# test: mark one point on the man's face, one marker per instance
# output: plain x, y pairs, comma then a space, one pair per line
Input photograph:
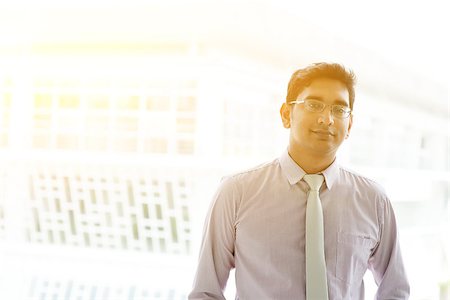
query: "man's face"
319, 133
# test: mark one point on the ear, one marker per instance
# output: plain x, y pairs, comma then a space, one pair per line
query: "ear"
350, 123
285, 112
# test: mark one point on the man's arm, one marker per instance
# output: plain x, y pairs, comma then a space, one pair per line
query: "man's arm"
386, 262
216, 257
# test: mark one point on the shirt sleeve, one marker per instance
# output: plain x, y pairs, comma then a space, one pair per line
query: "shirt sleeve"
386, 262
216, 257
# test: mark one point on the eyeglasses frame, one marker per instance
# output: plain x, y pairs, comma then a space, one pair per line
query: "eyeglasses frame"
325, 105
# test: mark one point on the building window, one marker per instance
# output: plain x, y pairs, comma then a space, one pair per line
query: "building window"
158, 103
156, 145
185, 146
187, 104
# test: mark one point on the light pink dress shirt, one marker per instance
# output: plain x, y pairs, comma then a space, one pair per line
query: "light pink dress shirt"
256, 224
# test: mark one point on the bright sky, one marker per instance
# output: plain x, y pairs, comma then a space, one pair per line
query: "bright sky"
413, 34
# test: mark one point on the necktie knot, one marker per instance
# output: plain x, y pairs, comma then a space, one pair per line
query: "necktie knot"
314, 181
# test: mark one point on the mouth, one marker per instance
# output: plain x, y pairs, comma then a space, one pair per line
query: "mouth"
321, 132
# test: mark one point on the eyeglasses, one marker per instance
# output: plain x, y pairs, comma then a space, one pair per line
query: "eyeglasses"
315, 106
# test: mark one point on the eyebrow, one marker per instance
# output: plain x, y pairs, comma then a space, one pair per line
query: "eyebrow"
337, 101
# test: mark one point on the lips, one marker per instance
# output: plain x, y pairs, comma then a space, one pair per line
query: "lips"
323, 132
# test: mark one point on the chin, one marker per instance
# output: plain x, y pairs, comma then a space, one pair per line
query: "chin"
325, 149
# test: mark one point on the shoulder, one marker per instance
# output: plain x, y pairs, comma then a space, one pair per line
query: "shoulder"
254, 172
368, 192
234, 187
256, 175
362, 183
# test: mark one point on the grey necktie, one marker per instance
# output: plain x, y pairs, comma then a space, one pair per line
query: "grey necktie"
316, 271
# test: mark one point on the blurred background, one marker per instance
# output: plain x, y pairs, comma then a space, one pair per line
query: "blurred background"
118, 119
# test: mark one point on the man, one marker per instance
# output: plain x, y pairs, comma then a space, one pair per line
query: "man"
302, 226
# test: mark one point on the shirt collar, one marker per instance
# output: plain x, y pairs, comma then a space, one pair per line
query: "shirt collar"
294, 173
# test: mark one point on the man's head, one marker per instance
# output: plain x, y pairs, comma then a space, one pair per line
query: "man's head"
318, 109
303, 78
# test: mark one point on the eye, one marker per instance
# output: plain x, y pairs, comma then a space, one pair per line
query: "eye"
314, 105
340, 109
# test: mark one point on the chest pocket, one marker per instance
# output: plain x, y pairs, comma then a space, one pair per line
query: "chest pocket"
353, 252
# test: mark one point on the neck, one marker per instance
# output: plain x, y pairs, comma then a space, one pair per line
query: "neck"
311, 163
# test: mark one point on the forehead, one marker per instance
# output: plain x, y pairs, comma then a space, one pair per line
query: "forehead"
327, 90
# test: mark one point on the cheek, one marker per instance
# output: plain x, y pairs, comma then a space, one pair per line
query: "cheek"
299, 126
347, 133
344, 132
301, 119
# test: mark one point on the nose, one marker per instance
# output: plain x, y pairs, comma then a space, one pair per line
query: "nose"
326, 116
